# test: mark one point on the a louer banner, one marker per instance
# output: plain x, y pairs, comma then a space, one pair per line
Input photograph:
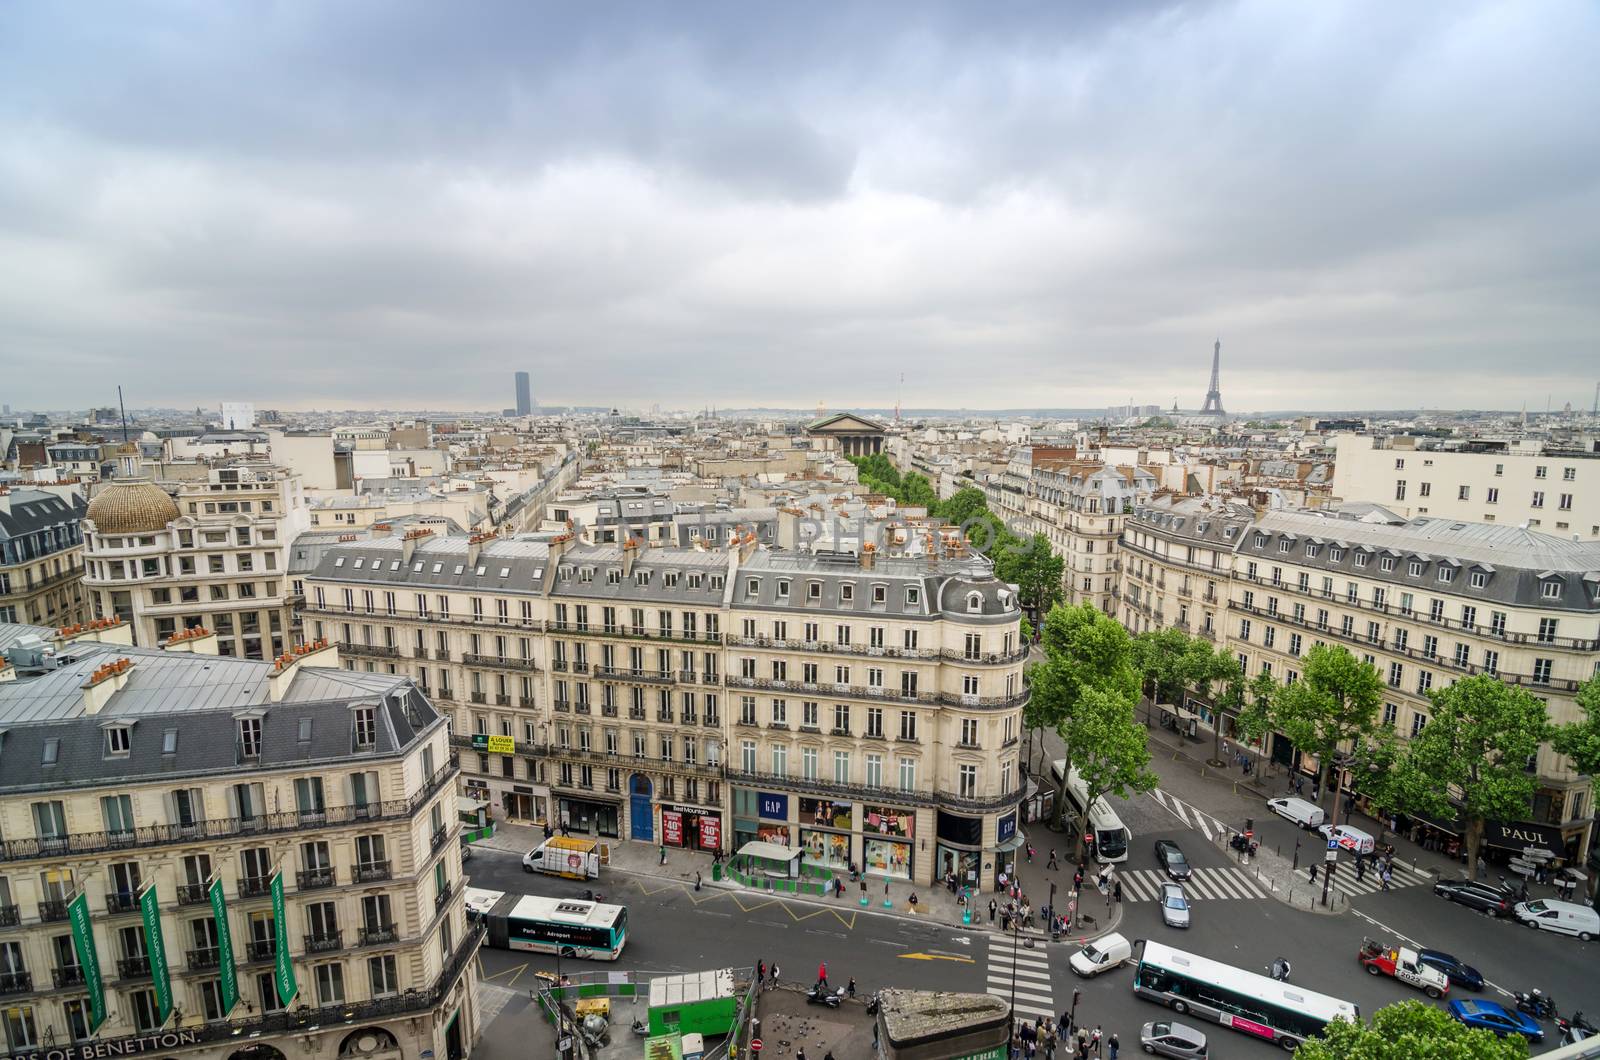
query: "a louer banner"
283, 971
229, 975
88, 958
156, 947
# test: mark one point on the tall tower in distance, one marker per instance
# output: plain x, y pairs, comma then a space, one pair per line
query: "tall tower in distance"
1213, 405
524, 395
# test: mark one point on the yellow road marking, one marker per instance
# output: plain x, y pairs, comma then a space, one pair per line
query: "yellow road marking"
519, 969
514, 978
934, 957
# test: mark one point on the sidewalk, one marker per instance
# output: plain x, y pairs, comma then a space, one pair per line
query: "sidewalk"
883, 898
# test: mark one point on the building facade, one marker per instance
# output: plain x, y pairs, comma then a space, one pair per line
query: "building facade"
212, 553
866, 708
222, 858
1524, 483
41, 558
1424, 601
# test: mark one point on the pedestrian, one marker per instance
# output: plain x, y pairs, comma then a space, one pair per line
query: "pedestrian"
1116, 892
1030, 853
800, 1053
761, 971
850, 987
1094, 1039
774, 970
822, 974
828, 1055
1052, 864
1313, 874
1113, 1047
1361, 869
1483, 869
697, 879
1083, 1042
1077, 879
1388, 874
992, 908
663, 853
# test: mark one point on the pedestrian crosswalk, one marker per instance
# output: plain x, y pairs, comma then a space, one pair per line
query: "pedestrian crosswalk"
1144, 885
1192, 818
1020, 974
1371, 880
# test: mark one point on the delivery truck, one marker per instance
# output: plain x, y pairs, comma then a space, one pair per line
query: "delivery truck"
569, 856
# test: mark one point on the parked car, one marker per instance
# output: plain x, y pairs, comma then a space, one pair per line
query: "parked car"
1174, 905
1352, 839
1564, 918
1458, 973
1484, 897
1303, 813
1477, 1012
1101, 955
1171, 858
1165, 1038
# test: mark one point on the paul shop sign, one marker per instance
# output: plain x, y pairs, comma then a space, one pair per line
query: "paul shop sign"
148, 1043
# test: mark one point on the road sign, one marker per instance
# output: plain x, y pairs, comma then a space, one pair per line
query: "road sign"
1332, 855
755, 1045
1333, 844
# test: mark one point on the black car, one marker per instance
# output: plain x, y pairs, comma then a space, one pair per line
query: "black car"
1484, 897
1457, 972
1172, 859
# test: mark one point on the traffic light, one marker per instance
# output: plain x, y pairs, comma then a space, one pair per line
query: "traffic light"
1249, 827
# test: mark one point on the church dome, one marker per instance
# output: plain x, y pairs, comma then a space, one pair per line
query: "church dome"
131, 508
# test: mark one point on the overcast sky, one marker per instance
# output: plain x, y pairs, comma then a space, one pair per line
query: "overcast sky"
386, 204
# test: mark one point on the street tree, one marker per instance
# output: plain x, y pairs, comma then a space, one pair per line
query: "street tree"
1250, 703
1160, 656
1335, 702
963, 505
1107, 746
1580, 740
1207, 669
1035, 569
1472, 756
1410, 1030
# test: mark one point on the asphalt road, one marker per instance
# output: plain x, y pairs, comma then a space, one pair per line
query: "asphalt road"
675, 929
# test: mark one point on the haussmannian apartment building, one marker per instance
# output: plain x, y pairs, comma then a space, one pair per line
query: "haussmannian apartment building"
129, 767
867, 709
41, 557
1424, 600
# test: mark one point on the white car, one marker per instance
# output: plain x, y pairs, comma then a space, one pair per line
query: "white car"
1101, 955
1174, 906
1352, 839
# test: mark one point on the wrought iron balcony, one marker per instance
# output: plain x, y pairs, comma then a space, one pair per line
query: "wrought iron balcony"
262, 949
326, 942
133, 967
254, 886
69, 976
379, 934
16, 982
192, 894
122, 902
374, 870
10, 916
312, 879
204, 959
52, 909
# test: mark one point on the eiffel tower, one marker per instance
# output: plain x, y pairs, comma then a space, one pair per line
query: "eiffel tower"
1213, 405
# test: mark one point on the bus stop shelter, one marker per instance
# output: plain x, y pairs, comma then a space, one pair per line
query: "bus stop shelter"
769, 859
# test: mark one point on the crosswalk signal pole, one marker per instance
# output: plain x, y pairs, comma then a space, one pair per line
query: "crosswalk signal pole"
1327, 878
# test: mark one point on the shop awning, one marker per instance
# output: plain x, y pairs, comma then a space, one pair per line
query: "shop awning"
1518, 835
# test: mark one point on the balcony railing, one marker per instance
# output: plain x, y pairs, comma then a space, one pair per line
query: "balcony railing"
52, 909
375, 870
16, 982
506, 662
261, 949
591, 630
224, 827
312, 879
133, 967
122, 902
326, 942
204, 959
380, 651
882, 795
10, 916
619, 673
440, 834
69, 976
379, 934
298, 1020
192, 894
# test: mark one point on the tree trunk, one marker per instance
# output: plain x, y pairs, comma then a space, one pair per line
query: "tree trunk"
1474, 837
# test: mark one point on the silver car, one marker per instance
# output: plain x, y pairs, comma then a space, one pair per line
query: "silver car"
1174, 905
1173, 1039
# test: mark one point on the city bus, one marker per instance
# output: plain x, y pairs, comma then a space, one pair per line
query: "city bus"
1111, 836
571, 927
1253, 1004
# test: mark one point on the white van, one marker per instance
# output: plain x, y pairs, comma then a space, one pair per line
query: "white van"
1350, 838
1303, 813
1567, 918
1101, 955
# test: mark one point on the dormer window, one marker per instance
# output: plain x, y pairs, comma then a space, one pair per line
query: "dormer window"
1549, 590
1479, 579
1448, 575
1261, 540
358, 563
913, 596
586, 574
752, 586
783, 588
880, 594
641, 577
118, 740
613, 576
974, 603
338, 561
669, 580
1414, 569
505, 572
365, 734
813, 590
169, 741
249, 737
52, 751
847, 593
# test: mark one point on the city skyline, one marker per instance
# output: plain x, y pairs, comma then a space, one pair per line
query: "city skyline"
638, 208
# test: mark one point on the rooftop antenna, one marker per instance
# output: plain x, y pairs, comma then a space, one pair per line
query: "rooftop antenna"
124, 410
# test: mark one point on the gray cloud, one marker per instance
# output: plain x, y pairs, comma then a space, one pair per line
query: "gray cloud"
398, 204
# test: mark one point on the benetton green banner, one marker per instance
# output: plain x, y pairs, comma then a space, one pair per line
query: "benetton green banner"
156, 947
229, 975
88, 958
283, 972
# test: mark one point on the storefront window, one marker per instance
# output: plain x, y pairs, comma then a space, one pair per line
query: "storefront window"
831, 849
882, 820
885, 857
773, 833
824, 813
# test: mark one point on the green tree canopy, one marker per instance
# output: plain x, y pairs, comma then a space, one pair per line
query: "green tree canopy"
1335, 701
1473, 754
1036, 571
1107, 746
1410, 1030
1580, 740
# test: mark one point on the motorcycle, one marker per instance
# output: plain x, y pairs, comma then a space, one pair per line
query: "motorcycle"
593, 896
1279, 970
1575, 1029
641, 1028
872, 1004
1536, 1003
818, 996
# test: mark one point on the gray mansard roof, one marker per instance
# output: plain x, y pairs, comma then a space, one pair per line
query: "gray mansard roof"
439, 563
1209, 524
196, 698
1517, 564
